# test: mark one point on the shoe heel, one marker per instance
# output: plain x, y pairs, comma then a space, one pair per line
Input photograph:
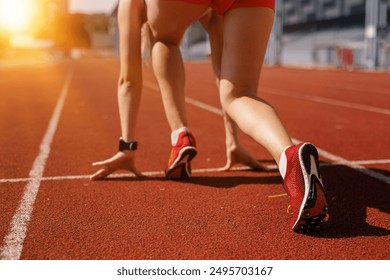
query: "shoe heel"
191, 154
315, 210
180, 170
309, 152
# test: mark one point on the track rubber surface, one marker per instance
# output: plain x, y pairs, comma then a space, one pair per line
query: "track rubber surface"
239, 214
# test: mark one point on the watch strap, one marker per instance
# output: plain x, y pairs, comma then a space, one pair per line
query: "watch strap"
127, 146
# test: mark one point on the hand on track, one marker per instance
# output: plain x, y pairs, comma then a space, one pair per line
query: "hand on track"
239, 155
120, 161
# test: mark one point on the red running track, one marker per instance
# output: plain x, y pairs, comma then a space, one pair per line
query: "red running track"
50, 210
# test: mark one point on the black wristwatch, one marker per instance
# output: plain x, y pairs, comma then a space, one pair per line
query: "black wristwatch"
127, 146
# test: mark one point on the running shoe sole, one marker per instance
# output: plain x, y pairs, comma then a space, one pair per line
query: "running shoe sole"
314, 208
180, 168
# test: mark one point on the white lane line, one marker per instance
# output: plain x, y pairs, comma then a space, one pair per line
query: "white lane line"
364, 162
188, 100
151, 85
371, 162
13, 241
328, 101
204, 106
269, 167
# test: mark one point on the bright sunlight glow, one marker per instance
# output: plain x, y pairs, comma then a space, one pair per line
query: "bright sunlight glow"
15, 15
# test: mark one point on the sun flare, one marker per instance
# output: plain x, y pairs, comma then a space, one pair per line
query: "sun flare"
15, 15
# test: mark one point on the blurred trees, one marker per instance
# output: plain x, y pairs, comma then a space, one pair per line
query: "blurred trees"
72, 30
97, 23
66, 30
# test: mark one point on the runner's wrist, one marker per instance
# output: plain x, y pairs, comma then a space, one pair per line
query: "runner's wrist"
125, 146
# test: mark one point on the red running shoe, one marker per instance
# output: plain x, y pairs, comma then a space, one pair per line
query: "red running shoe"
179, 166
304, 186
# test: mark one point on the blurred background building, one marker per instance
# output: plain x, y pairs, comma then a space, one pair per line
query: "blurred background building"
321, 33
343, 33
347, 33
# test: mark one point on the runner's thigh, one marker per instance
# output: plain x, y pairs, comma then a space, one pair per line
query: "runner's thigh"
168, 19
246, 34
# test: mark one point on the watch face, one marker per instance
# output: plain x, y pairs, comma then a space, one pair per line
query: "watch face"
132, 146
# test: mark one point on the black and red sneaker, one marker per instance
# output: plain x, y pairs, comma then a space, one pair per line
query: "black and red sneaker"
303, 184
179, 163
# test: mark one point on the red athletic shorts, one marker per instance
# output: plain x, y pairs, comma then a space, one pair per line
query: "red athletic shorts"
222, 6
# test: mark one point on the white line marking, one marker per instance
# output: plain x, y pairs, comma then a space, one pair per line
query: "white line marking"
270, 167
189, 100
204, 106
371, 162
13, 241
328, 101
151, 85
